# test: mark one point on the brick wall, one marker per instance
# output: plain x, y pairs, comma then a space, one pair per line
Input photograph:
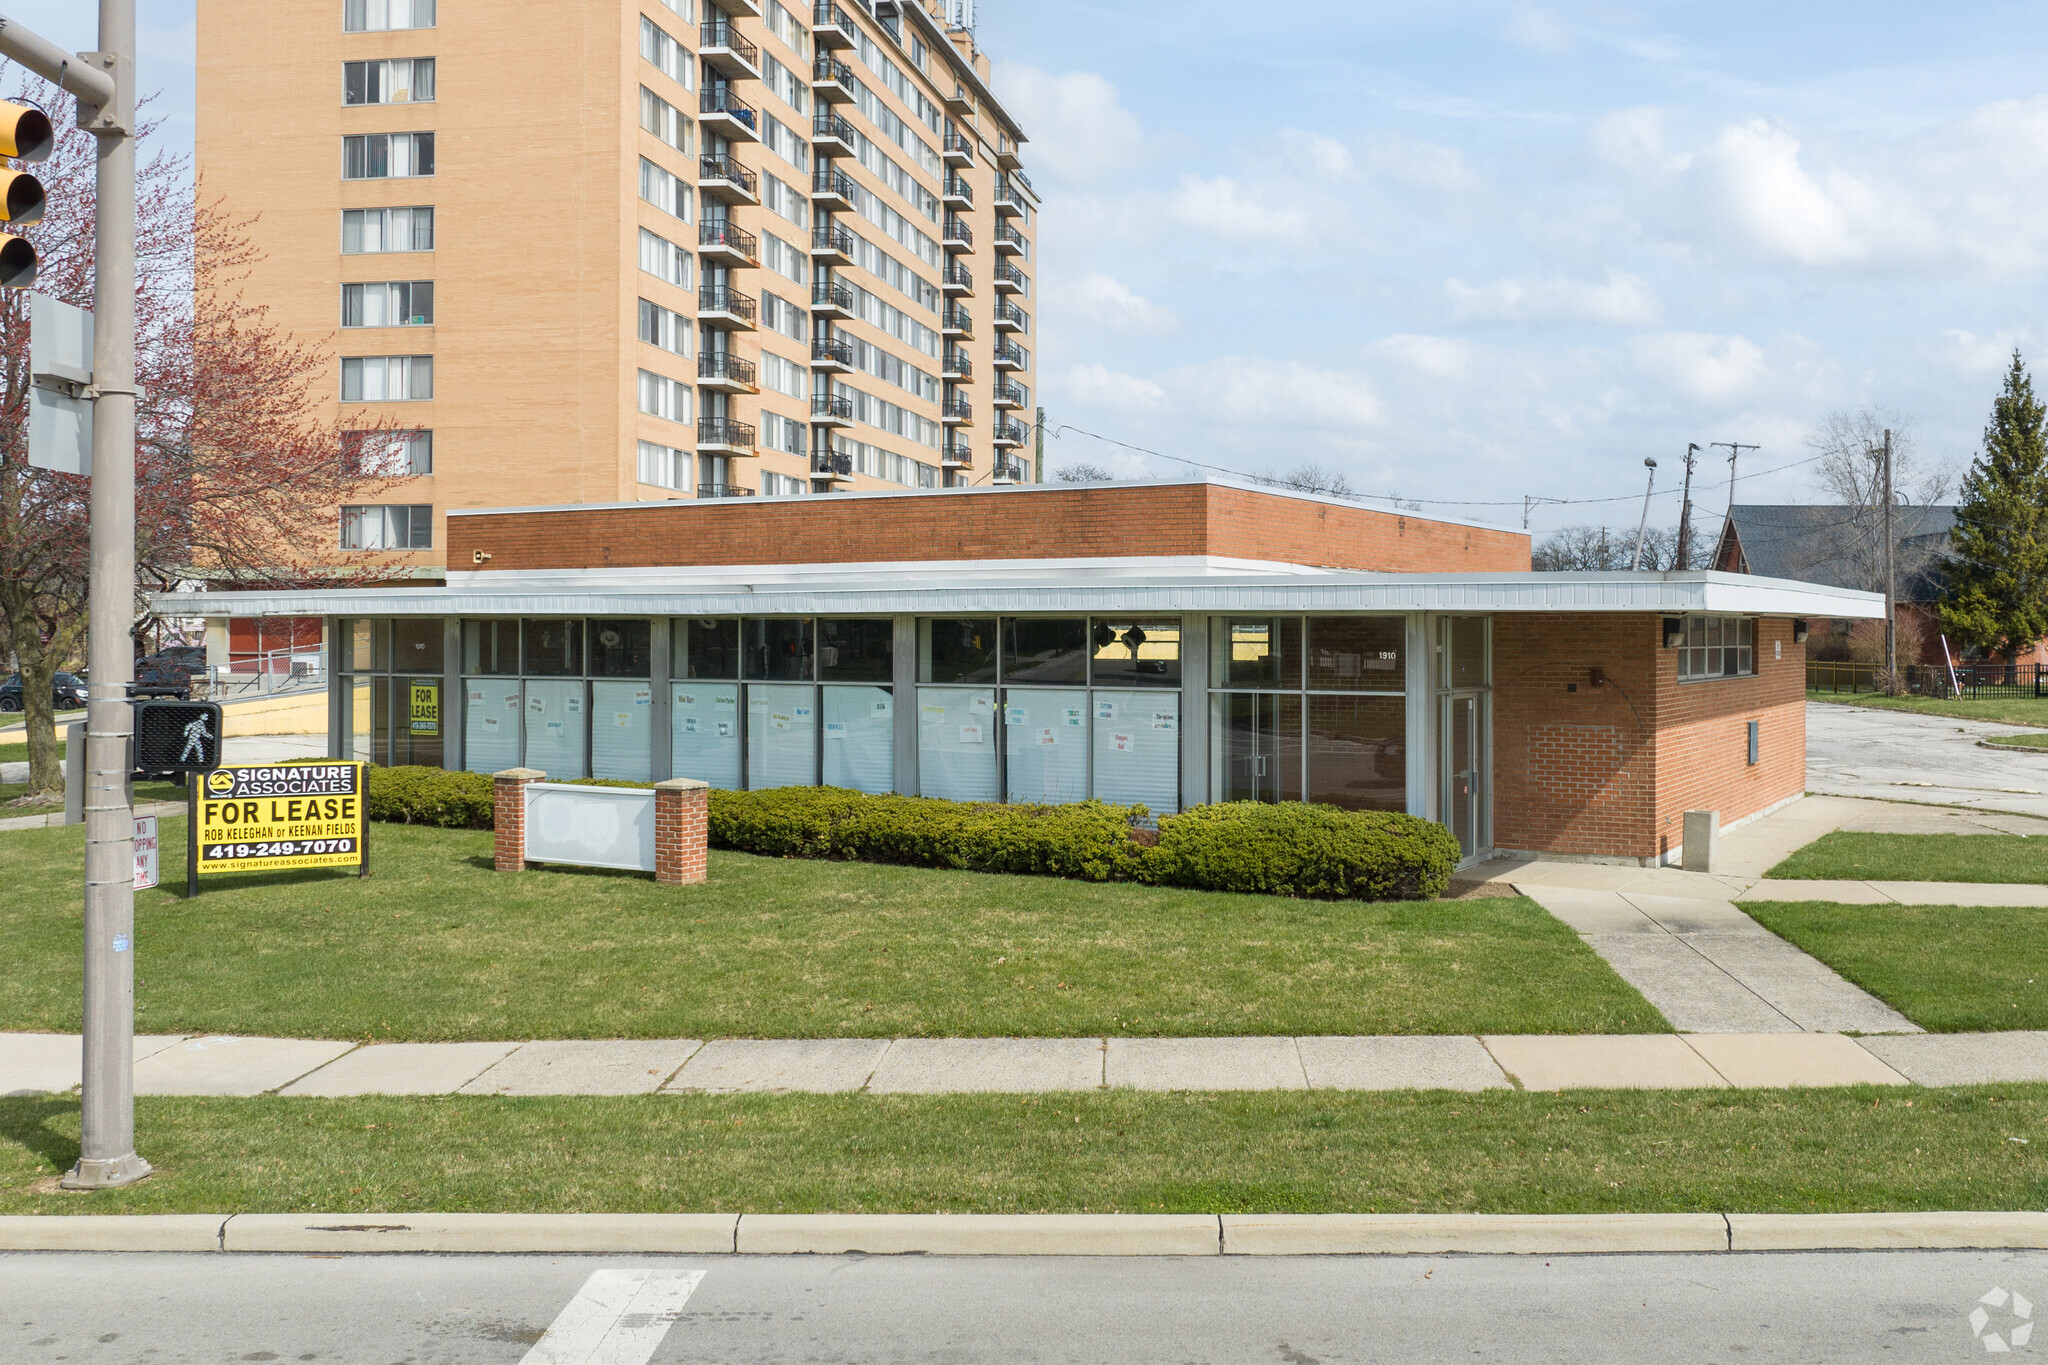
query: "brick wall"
1611, 769
1033, 523
508, 816
682, 826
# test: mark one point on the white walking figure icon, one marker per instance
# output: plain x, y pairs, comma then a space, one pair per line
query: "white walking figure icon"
195, 741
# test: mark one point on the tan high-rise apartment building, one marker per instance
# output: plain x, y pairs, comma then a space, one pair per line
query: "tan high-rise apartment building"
585, 251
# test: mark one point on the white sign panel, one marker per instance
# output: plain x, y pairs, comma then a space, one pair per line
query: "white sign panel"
60, 365
59, 432
590, 826
145, 852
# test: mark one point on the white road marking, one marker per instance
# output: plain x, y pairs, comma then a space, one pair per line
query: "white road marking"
618, 1318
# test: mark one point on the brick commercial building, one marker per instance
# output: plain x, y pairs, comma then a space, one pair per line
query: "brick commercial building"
591, 252
1168, 643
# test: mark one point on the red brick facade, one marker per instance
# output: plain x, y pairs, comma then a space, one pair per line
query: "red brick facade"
1098, 521
682, 811
1610, 769
508, 816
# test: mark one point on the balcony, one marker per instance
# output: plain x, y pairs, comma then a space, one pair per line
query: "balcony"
720, 242
737, 9
1009, 241
831, 28
957, 279
956, 193
1008, 201
1009, 433
956, 456
831, 245
726, 52
830, 298
724, 436
830, 410
956, 321
832, 191
831, 134
1007, 472
725, 308
1011, 318
956, 366
956, 235
1008, 357
724, 372
832, 467
1006, 155
957, 412
1009, 279
960, 104
723, 490
832, 356
724, 113
1008, 396
959, 150
723, 179
831, 81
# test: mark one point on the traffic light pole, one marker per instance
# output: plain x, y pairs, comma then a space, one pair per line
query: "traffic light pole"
104, 83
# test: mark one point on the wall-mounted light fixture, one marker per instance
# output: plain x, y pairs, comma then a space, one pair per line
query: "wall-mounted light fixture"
483, 556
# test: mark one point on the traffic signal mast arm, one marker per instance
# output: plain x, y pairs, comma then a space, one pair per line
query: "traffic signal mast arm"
76, 73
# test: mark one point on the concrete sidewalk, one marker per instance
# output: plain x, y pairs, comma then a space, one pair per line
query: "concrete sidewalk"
41, 1063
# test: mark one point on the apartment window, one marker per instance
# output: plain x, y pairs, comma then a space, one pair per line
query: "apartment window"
372, 16
792, 377
367, 231
394, 303
663, 259
403, 80
663, 397
785, 434
1717, 647
663, 190
687, 9
775, 485
387, 156
388, 453
387, 378
780, 199
663, 328
785, 85
779, 138
664, 466
404, 527
668, 56
784, 259
779, 22
664, 120
780, 315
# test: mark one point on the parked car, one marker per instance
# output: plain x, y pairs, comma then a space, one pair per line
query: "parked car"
172, 667
67, 692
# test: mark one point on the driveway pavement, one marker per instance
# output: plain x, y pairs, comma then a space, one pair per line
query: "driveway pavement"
1900, 756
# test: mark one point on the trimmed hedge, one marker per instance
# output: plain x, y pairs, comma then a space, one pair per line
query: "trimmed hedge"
1281, 850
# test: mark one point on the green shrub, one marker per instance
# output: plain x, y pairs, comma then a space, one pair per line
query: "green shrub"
1302, 850
428, 796
781, 822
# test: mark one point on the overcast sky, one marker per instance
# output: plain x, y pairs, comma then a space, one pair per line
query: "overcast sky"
1466, 250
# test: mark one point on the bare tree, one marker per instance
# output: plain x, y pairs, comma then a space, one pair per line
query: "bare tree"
1850, 471
1585, 549
1081, 471
1311, 478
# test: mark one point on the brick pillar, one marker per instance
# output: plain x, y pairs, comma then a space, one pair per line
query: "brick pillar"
508, 815
682, 810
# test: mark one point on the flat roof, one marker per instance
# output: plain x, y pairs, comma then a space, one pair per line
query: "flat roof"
1197, 584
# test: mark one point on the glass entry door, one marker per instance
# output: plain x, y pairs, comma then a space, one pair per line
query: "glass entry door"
1464, 778
1464, 679
1261, 758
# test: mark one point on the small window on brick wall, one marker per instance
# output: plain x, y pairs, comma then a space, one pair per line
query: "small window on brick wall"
1717, 647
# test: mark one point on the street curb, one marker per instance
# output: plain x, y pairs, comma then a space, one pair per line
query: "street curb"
1037, 1234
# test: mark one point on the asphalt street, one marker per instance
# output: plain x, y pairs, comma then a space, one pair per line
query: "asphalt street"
431, 1310
1900, 756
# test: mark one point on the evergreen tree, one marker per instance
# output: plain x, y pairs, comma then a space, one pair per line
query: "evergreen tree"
1998, 552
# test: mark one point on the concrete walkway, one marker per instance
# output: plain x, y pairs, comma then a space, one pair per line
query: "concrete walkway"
1900, 755
36, 1063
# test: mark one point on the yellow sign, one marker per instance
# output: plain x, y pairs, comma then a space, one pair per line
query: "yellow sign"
426, 708
267, 818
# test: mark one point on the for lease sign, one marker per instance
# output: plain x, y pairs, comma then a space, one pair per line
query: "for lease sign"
267, 817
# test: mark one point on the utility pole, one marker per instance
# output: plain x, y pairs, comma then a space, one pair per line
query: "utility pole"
1636, 561
1684, 557
1735, 449
1891, 632
104, 84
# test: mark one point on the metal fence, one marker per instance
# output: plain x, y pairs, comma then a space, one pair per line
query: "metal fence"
263, 675
1970, 681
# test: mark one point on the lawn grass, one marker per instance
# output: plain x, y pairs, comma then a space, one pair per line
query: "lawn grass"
16, 751
2002, 710
12, 804
435, 945
2018, 741
1848, 856
1948, 968
1859, 1149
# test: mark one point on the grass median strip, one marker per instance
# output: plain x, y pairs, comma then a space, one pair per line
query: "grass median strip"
435, 945
1795, 1151
12, 803
1846, 856
1998, 710
1948, 968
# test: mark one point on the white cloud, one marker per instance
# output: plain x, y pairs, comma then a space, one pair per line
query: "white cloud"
1632, 139
1235, 213
1432, 356
1249, 389
1622, 299
1706, 367
1077, 124
1098, 386
1419, 165
1538, 29
1096, 300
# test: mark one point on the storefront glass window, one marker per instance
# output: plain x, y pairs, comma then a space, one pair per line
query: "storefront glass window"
554, 649
1358, 752
856, 650
956, 742
622, 730
417, 727
1263, 651
1045, 734
860, 738
490, 719
620, 649
557, 727
705, 648
957, 650
416, 644
1131, 653
1137, 749
782, 736
704, 730
490, 647
1041, 652
778, 648
1356, 653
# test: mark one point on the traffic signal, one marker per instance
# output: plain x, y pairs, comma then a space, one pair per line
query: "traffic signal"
25, 135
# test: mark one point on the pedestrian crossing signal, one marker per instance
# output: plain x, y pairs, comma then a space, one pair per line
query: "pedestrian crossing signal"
177, 736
